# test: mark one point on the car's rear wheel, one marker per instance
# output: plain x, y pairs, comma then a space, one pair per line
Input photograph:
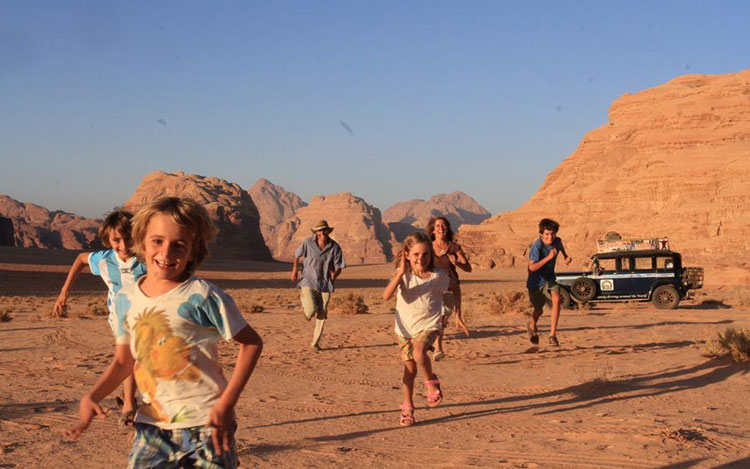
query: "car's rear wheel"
565, 301
665, 297
583, 288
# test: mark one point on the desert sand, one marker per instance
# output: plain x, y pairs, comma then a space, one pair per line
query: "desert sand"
627, 388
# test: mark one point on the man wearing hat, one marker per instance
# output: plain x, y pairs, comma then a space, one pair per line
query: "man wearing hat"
322, 263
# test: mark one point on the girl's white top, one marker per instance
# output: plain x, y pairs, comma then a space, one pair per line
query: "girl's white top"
419, 302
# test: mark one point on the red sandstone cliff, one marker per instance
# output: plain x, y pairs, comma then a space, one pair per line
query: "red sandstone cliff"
672, 161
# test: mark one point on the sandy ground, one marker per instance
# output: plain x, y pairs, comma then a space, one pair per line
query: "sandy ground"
628, 388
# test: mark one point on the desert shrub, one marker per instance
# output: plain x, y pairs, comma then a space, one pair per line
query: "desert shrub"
742, 298
733, 342
5, 317
257, 308
99, 310
508, 302
349, 304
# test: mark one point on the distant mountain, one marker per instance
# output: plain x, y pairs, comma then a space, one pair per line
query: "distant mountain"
358, 228
24, 224
459, 208
231, 209
275, 204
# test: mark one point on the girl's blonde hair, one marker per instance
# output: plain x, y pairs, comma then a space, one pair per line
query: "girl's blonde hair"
416, 238
184, 212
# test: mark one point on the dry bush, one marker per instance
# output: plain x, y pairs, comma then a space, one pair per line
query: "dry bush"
5, 317
99, 310
349, 304
742, 298
733, 342
257, 308
508, 302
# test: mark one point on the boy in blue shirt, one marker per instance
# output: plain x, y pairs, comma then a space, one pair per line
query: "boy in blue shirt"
541, 279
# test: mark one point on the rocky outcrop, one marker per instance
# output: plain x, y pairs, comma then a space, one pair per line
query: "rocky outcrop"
34, 226
413, 215
672, 161
231, 209
358, 228
7, 234
274, 206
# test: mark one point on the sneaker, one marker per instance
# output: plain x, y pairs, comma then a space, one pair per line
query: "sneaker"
439, 356
533, 336
552, 341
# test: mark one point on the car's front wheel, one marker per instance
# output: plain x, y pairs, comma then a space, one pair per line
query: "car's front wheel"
665, 297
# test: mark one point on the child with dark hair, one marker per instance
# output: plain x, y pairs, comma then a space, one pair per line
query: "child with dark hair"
118, 267
542, 280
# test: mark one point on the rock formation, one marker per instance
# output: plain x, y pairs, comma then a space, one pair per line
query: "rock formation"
7, 233
672, 161
34, 226
274, 206
413, 215
231, 209
358, 228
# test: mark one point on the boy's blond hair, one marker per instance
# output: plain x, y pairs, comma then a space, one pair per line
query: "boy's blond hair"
116, 220
183, 211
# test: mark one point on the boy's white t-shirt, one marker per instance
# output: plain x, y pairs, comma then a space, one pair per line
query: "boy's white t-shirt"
418, 306
173, 338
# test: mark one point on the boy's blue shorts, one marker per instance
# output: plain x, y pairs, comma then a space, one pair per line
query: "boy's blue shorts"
185, 447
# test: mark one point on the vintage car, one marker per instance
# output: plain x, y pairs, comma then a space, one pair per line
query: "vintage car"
655, 275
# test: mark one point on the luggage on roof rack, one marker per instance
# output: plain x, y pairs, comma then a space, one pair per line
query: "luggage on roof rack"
604, 245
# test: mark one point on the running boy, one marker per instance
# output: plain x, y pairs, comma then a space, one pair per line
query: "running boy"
168, 327
541, 279
118, 267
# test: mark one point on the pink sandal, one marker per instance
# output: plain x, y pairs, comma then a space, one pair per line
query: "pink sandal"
406, 419
435, 397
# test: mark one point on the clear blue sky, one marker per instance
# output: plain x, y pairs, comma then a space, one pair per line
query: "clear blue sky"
485, 97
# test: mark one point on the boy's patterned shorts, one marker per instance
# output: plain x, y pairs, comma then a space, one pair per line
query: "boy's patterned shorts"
407, 344
185, 447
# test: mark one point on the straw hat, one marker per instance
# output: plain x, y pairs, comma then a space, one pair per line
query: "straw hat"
321, 225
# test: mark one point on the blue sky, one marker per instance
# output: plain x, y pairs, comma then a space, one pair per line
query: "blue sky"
485, 97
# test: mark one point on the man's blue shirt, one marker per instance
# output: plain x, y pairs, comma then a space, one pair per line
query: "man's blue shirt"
318, 264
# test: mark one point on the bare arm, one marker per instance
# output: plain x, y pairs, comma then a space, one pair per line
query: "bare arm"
460, 259
295, 272
565, 255
75, 270
221, 416
335, 274
392, 286
118, 370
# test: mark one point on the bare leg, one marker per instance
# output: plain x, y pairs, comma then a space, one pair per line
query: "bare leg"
424, 365
410, 374
457, 311
555, 313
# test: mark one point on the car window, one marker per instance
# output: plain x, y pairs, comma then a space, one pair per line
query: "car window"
624, 264
664, 263
607, 265
644, 263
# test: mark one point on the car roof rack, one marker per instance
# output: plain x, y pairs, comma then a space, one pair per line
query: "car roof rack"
612, 244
